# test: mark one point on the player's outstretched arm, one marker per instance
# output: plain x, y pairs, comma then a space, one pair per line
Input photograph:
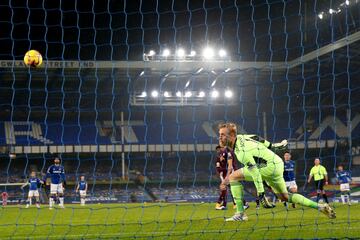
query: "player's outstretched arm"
276, 146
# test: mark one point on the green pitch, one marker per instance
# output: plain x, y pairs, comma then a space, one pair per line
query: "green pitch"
174, 221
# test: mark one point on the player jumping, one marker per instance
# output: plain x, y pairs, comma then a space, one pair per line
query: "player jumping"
344, 178
289, 174
260, 163
58, 183
82, 189
34, 184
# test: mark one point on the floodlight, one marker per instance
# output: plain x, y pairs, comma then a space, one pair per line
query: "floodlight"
201, 94
180, 52
228, 94
143, 94
178, 94
331, 11
154, 94
167, 94
347, 2
192, 53
188, 94
152, 53
222, 53
208, 53
214, 94
166, 53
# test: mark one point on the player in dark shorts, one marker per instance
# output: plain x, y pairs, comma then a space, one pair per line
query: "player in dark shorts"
225, 165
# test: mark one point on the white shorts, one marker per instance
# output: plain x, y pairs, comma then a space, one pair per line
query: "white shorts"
291, 185
344, 187
33, 193
56, 188
82, 193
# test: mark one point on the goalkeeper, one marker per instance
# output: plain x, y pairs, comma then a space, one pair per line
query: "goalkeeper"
260, 163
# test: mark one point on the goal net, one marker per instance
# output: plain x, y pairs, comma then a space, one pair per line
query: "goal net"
130, 94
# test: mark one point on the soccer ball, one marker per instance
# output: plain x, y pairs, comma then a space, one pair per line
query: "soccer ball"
33, 58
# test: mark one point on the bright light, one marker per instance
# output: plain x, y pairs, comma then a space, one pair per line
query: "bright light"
192, 53
228, 94
154, 94
208, 53
180, 52
213, 83
187, 84
201, 94
166, 53
152, 53
222, 53
331, 11
178, 94
347, 2
143, 94
214, 94
321, 15
167, 94
188, 94
199, 70
142, 73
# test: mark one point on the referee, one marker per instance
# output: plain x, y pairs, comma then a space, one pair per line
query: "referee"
320, 178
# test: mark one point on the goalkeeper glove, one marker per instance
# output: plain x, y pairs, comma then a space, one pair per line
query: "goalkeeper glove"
280, 146
264, 201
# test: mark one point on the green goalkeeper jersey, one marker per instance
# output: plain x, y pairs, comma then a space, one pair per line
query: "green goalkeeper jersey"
253, 155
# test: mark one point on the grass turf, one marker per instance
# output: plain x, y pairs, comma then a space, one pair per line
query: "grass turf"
174, 221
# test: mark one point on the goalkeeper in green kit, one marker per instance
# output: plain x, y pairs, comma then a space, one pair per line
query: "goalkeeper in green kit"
260, 164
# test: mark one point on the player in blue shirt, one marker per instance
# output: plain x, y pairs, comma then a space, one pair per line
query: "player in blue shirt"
289, 174
344, 178
56, 173
33, 184
82, 188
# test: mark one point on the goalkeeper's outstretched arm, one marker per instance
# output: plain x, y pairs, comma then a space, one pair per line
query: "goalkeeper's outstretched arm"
266, 143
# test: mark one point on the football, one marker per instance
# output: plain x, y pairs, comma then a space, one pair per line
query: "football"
33, 58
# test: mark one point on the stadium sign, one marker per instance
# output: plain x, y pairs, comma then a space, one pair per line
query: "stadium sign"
50, 64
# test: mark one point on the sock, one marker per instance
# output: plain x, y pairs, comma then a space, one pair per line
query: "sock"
232, 197
318, 197
342, 198
218, 201
51, 202
237, 192
299, 199
82, 201
61, 199
274, 199
257, 201
348, 196
224, 193
29, 202
325, 198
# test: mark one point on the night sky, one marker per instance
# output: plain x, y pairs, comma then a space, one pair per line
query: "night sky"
124, 30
